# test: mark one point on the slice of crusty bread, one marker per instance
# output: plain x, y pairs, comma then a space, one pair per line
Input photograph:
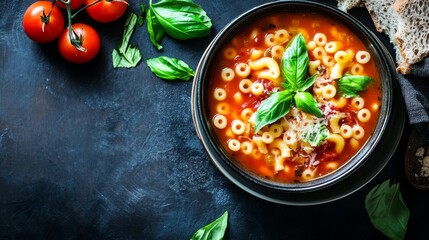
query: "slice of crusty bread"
406, 22
412, 36
346, 5
387, 20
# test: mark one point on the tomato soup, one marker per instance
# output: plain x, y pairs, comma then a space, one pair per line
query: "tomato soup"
298, 146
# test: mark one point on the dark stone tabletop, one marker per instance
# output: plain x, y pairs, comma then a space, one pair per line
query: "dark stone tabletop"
93, 152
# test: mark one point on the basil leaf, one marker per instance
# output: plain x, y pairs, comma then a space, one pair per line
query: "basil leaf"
350, 85
140, 19
154, 28
294, 63
126, 55
273, 108
213, 231
315, 135
182, 19
129, 59
130, 23
387, 211
306, 102
307, 83
170, 68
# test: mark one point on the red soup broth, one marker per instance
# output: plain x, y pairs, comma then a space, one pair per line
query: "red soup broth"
283, 156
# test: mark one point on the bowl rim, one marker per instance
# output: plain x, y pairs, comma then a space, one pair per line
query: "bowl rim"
326, 181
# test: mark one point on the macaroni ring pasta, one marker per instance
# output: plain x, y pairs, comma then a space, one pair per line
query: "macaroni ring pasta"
230, 53
223, 108
242, 70
227, 74
220, 121
320, 39
329, 91
234, 145
256, 88
358, 102
270, 40
277, 51
363, 57
238, 127
219, 94
246, 147
358, 132
245, 85
281, 36
333, 46
364, 115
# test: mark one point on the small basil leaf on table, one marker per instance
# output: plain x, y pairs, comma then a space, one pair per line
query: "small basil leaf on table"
181, 19
294, 63
351, 85
273, 108
306, 102
170, 68
213, 231
127, 55
387, 211
155, 30
315, 135
129, 59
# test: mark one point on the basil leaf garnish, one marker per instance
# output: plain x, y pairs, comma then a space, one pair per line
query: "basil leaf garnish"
294, 62
170, 68
306, 102
294, 67
127, 55
213, 231
350, 85
387, 211
273, 108
315, 135
307, 83
181, 19
154, 28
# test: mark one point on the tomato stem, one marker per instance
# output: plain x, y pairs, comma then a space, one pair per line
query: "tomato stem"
46, 18
75, 39
85, 7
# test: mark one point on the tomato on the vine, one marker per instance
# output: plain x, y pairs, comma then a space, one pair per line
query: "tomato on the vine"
74, 4
106, 10
86, 46
43, 22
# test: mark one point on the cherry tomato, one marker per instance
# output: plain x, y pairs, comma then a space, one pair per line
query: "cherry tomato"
43, 22
74, 4
89, 42
106, 10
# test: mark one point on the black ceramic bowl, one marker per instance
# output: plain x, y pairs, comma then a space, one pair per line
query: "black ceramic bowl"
361, 168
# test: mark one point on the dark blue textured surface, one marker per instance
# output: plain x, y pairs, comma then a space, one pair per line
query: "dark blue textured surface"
90, 152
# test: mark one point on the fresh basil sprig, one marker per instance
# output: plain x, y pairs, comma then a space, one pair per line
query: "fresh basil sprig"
127, 55
213, 231
387, 211
170, 68
351, 85
180, 19
294, 67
